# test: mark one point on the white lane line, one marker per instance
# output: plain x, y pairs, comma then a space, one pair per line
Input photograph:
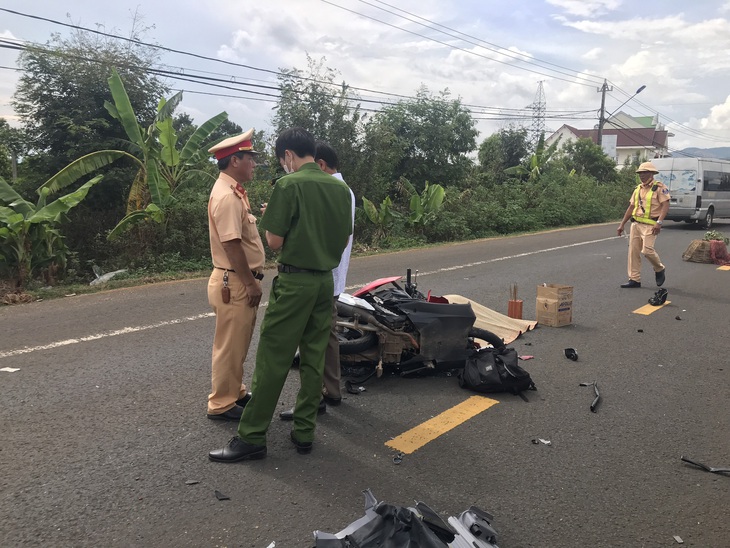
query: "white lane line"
478, 263
103, 335
127, 330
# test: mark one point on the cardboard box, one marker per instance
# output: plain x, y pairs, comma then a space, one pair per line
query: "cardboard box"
554, 307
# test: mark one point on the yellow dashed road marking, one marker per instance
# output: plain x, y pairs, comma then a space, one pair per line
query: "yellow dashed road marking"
428, 431
650, 308
724, 268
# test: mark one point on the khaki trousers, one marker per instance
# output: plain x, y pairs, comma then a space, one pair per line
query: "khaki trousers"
234, 326
641, 242
332, 359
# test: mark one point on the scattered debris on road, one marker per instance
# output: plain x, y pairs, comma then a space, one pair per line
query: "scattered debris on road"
678, 539
526, 357
538, 441
571, 354
705, 467
221, 496
191, 482
10, 369
597, 399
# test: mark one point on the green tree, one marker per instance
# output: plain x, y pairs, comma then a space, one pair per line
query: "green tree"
424, 139
586, 158
62, 88
162, 168
328, 109
30, 237
506, 148
12, 146
60, 100
533, 168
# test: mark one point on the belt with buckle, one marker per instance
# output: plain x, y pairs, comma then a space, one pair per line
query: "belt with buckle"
289, 269
643, 220
257, 275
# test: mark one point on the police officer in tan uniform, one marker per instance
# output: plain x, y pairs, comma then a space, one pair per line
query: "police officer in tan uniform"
234, 289
647, 209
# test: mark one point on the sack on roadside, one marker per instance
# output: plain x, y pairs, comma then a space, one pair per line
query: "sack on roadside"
489, 371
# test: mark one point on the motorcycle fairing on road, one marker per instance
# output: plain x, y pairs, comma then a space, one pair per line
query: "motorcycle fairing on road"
443, 328
376, 284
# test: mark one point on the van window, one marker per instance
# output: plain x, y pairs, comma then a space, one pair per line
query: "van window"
716, 181
678, 181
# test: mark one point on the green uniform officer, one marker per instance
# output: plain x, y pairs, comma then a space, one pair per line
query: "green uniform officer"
309, 218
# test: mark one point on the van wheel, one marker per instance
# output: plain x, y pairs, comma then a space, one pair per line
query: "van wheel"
707, 221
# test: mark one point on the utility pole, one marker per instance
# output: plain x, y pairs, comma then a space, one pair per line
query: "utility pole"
602, 119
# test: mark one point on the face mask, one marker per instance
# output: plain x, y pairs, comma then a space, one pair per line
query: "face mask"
287, 168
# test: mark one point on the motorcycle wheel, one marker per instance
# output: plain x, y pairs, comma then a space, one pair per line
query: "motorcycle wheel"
488, 336
354, 341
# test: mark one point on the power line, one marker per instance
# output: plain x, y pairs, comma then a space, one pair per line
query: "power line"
230, 83
501, 49
450, 45
195, 55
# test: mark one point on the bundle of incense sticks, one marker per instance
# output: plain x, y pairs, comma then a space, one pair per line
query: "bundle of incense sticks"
514, 306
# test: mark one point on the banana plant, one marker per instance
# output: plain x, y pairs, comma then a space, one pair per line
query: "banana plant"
382, 217
537, 163
423, 207
162, 168
30, 239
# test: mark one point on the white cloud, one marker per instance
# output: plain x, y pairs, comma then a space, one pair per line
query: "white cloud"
586, 8
592, 54
719, 118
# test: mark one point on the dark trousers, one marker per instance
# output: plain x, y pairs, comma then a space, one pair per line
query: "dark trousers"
299, 313
332, 359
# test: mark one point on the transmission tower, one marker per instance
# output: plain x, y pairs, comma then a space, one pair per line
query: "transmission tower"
538, 115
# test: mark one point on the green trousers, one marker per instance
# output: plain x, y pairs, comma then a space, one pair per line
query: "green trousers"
299, 314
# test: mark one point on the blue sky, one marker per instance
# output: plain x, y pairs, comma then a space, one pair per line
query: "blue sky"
680, 54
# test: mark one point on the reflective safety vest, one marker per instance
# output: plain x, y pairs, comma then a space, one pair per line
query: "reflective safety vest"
641, 212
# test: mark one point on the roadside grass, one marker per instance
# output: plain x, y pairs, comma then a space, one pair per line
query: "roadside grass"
37, 292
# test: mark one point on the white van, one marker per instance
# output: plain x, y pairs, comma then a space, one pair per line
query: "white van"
699, 188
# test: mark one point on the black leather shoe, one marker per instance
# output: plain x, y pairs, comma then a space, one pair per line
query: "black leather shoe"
244, 400
631, 284
236, 450
660, 277
329, 400
289, 415
233, 414
303, 447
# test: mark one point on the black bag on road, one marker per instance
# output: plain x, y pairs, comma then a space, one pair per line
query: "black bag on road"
489, 371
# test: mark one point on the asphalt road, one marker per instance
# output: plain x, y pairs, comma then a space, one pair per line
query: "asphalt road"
104, 421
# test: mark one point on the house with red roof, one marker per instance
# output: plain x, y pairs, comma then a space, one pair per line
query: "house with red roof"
624, 137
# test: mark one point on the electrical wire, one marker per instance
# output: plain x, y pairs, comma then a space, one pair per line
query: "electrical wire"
594, 80
451, 45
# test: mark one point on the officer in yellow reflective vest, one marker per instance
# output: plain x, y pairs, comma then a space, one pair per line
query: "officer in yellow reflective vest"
648, 206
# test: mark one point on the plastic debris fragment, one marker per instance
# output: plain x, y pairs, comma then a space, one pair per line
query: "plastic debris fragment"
705, 467
594, 404
571, 354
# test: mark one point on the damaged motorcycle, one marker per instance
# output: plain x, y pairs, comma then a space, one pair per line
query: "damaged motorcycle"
388, 325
